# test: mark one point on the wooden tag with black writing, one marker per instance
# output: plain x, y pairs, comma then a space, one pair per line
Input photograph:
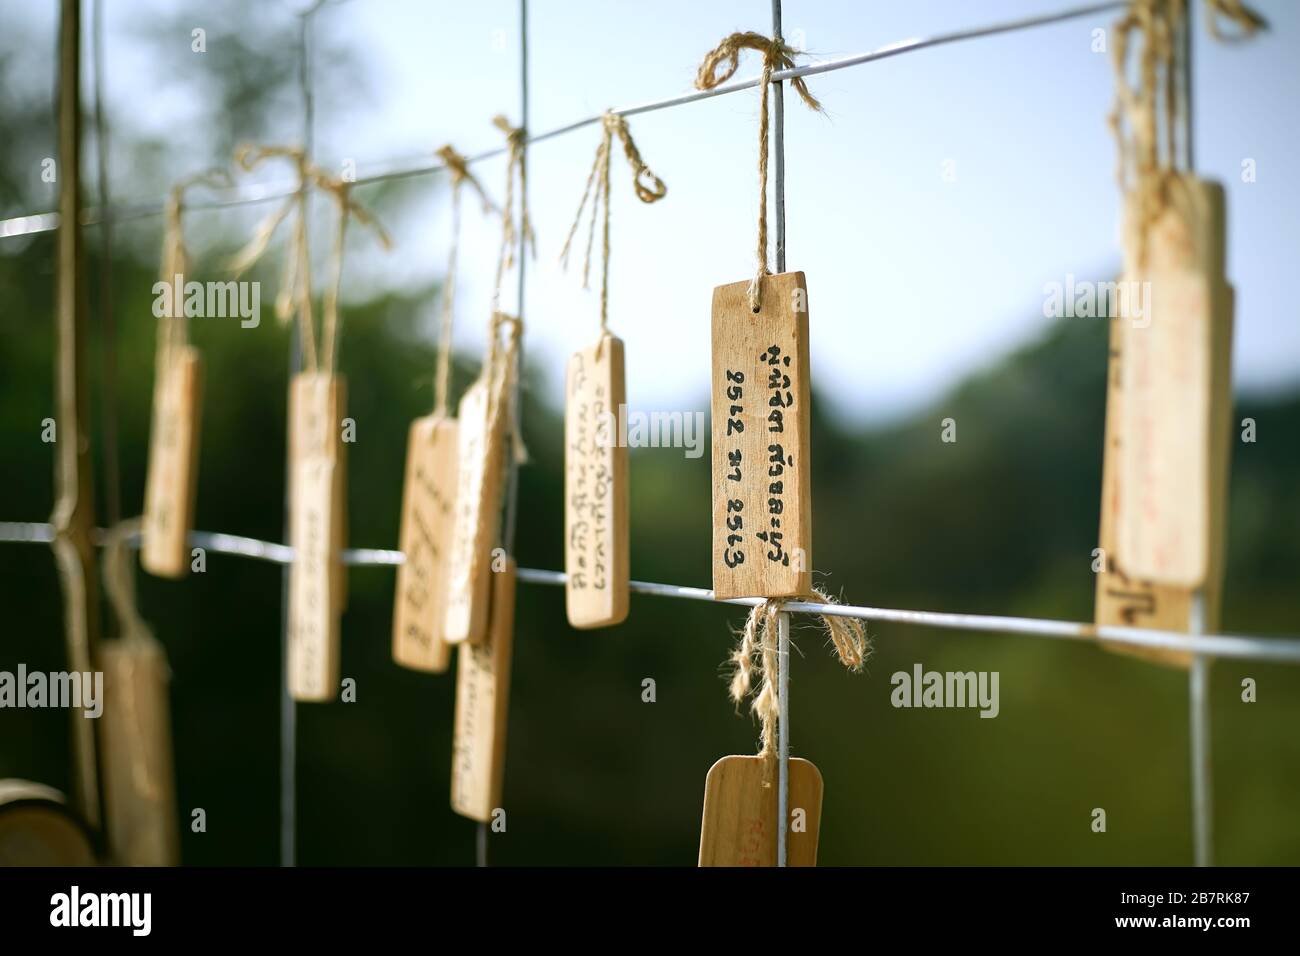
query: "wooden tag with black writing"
139, 781
172, 476
1168, 426
762, 503
478, 753
479, 486
316, 406
596, 540
428, 502
740, 813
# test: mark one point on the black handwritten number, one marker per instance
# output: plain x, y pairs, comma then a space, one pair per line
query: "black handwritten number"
738, 377
733, 459
776, 421
775, 506
776, 401
777, 380
732, 558
734, 425
735, 523
735, 393
735, 504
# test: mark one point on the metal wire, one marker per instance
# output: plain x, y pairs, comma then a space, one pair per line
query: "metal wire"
1283, 649
400, 169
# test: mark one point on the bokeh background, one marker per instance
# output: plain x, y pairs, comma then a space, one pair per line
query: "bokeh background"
926, 303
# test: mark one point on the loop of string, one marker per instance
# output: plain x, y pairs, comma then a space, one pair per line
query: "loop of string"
516, 136
174, 327
458, 168
719, 66
119, 578
294, 295
754, 661
649, 189
1147, 164
500, 373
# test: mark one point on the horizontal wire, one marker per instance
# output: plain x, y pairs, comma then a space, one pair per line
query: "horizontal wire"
396, 169
1238, 646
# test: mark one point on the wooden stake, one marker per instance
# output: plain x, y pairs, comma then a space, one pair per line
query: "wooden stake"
762, 502
172, 476
428, 515
482, 706
740, 813
596, 539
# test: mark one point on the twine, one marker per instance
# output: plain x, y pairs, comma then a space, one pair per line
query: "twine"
1147, 167
174, 328
719, 66
516, 138
458, 167
754, 661
119, 579
647, 191
294, 295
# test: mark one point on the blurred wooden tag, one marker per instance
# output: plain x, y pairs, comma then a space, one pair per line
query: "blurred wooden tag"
762, 503
479, 486
740, 813
172, 476
313, 610
596, 545
317, 405
478, 750
1168, 427
428, 501
139, 780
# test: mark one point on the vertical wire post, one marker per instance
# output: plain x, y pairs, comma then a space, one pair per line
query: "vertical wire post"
783, 619
108, 360
1198, 676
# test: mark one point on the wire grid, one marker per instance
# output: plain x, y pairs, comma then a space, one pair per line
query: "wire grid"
1203, 647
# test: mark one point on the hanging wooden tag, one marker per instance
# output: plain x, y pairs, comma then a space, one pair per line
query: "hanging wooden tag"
478, 753
139, 781
762, 503
317, 405
172, 476
740, 813
479, 486
1168, 427
428, 502
596, 540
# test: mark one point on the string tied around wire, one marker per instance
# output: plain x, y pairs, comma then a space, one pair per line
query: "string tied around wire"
512, 235
719, 66
294, 295
754, 660
458, 168
649, 188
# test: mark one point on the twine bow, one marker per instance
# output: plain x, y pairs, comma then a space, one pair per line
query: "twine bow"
458, 168
755, 660
294, 294
719, 66
649, 188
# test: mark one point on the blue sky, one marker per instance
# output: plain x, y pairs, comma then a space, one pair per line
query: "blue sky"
913, 281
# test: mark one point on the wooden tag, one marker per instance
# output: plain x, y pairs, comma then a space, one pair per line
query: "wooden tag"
762, 503
479, 486
317, 405
740, 813
172, 476
596, 545
313, 611
1168, 428
478, 750
428, 502
139, 781
38, 829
